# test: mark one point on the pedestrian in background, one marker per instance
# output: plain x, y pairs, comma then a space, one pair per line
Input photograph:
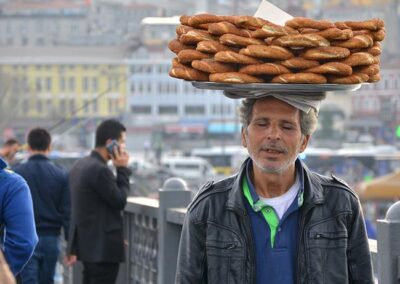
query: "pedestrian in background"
9, 149
98, 200
275, 221
48, 184
16, 219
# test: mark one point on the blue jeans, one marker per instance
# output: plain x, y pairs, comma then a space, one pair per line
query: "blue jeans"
41, 267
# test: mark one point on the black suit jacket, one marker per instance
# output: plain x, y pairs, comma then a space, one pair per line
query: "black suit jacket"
98, 199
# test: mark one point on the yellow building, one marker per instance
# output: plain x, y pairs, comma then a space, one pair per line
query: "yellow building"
62, 85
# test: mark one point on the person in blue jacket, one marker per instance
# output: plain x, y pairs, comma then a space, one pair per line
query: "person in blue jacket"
48, 184
16, 219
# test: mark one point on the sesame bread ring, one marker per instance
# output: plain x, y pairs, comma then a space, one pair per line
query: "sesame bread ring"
195, 36
177, 64
307, 40
370, 70
355, 78
188, 55
336, 34
374, 78
270, 52
375, 50
299, 78
334, 68
230, 19
377, 60
298, 63
184, 19
175, 46
227, 28
212, 66
378, 35
307, 31
182, 29
234, 57
359, 58
302, 22
234, 77
326, 53
372, 25
199, 19
358, 41
250, 22
264, 69
188, 74
272, 30
204, 26
235, 40
211, 46
342, 25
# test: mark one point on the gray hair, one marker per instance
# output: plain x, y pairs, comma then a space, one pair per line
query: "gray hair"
308, 121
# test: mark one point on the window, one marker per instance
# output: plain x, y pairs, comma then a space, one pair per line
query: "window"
63, 108
94, 84
85, 84
167, 109
194, 109
94, 106
39, 108
71, 105
62, 84
38, 85
141, 109
48, 84
71, 83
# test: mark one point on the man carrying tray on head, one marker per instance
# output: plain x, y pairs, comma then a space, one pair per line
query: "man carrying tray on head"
275, 221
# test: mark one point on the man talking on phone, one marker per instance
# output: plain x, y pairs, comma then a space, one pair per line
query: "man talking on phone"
98, 198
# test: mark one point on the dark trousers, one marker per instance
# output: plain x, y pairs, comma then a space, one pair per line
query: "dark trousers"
100, 272
40, 269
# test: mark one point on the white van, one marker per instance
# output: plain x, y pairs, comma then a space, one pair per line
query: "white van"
194, 170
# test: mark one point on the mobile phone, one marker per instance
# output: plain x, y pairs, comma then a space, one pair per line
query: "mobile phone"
111, 146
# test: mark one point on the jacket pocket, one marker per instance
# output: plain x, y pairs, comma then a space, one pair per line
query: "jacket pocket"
225, 262
326, 251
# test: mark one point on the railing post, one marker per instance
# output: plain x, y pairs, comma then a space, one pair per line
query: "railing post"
173, 194
389, 246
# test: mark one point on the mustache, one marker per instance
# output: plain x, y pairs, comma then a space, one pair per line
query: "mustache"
273, 146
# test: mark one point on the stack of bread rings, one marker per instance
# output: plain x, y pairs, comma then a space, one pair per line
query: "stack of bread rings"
247, 49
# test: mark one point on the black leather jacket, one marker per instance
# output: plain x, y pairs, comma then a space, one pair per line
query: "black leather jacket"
217, 246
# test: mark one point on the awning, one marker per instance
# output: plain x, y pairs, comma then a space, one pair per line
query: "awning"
223, 128
364, 122
382, 188
184, 128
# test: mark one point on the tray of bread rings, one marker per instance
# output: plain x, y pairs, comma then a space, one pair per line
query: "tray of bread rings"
259, 89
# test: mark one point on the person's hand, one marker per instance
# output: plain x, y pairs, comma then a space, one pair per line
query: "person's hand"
120, 157
69, 260
6, 276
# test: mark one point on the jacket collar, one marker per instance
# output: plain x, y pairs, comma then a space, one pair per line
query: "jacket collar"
313, 191
3, 164
38, 157
97, 156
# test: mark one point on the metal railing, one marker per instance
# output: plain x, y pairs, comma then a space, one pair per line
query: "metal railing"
153, 230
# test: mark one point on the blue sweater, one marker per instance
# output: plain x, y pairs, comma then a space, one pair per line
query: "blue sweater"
16, 215
50, 194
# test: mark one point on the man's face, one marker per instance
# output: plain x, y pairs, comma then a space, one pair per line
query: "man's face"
273, 137
122, 141
11, 151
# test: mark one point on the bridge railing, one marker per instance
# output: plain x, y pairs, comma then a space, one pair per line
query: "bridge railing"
153, 229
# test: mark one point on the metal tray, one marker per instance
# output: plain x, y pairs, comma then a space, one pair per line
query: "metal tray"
251, 90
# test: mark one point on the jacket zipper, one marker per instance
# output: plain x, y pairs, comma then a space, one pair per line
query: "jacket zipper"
303, 216
251, 250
